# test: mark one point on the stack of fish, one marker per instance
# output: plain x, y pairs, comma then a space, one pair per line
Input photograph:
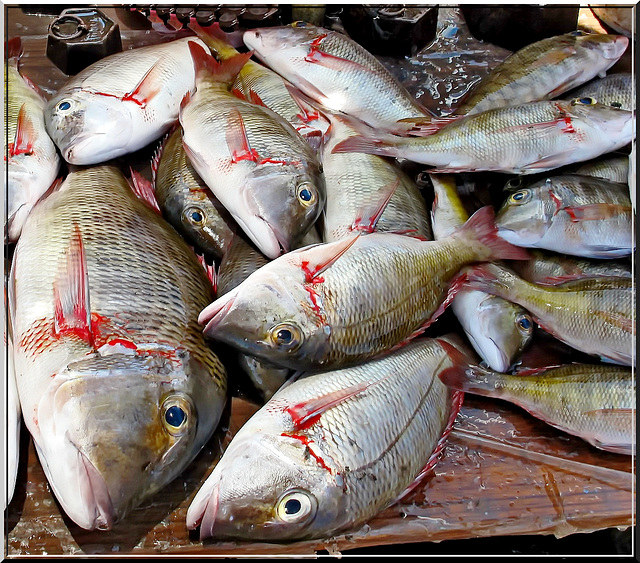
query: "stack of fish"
327, 274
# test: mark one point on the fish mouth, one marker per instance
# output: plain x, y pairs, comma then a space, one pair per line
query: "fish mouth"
203, 512
93, 487
215, 313
269, 240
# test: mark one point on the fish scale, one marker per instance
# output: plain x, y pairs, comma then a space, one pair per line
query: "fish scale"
142, 347
366, 449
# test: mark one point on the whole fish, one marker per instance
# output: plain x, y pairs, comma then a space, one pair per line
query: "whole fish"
253, 161
545, 69
118, 387
31, 156
498, 329
572, 214
522, 139
258, 84
186, 201
122, 102
550, 268
326, 454
596, 315
336, 72
614, 168
343, 302
363, 190
594, 402
615, 90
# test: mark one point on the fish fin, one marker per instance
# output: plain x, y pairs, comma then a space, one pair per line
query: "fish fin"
307, 413
358, 143
210, 270
215, 39
309, 111
595, 211
14, 50
25, 134
195, 158
326, 256
157, 155
148, 87
315, 140
206, 66
72, 307
172, 26
311, 90
424, 126
143, 188
481, 226
333, 62
237, 139
238, 93
485, 277
255, 99
471, 378
457, 398
367, 219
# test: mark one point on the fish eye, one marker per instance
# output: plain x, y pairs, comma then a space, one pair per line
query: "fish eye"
513, 184
306, 194
195, 215
578, 33
299, 24
176, 411
616, 105
524, 323
287, 336
521, 196
584, 101
64, 105
295, 505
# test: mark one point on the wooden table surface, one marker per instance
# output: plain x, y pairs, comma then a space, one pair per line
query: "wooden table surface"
502, 472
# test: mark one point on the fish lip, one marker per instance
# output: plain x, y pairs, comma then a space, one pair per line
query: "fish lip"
207, 518
215, 313
98, 491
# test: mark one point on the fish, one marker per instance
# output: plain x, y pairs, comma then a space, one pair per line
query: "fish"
521, 139
498, 329
186, 201
615, 90
546, 69
122, 102
614, 168
32, 160
595, 316
364, 189
340, 303
119, 388
13, 420
550, 268
571, 214
592, 401
263, 172
258, 84
325, 454
336, 72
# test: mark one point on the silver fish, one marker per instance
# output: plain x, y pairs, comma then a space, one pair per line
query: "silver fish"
325, 455
615, 90
614, 168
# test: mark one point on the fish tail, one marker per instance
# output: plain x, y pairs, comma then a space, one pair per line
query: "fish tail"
208, 68
359, 143
481, 227
13, 48
215, 39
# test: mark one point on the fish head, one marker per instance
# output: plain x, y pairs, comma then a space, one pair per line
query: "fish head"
282, 203
282, 42
114, 429
272, 316
616, 123
610, 47
503, 330
268, 487
523, 219
89, 128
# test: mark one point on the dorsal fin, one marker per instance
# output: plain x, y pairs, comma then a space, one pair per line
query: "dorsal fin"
143, 188
324, 256
367, 218
25, 134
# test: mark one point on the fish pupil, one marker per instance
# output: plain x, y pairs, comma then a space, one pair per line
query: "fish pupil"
292, 506
586, 101
284, 335
525, 323
175, 416
64, 106
197, 217
305, 195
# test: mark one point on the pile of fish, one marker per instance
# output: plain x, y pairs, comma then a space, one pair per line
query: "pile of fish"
281, 222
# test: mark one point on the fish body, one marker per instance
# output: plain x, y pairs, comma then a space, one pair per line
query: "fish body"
121, 103
545, 69
522, 139
359, 184
326, 453
594, 402
572, 214
614, 90
338, 303
13, 423
32, 159
187, 203
336, 72
549, 268
614, 168
595, 316
254, 162
117, 385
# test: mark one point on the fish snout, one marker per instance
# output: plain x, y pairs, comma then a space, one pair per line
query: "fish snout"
214, 314
93, 488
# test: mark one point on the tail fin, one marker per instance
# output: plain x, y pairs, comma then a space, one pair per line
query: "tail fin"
481, 226
365, 145
13, 48
207, 67
215, 39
